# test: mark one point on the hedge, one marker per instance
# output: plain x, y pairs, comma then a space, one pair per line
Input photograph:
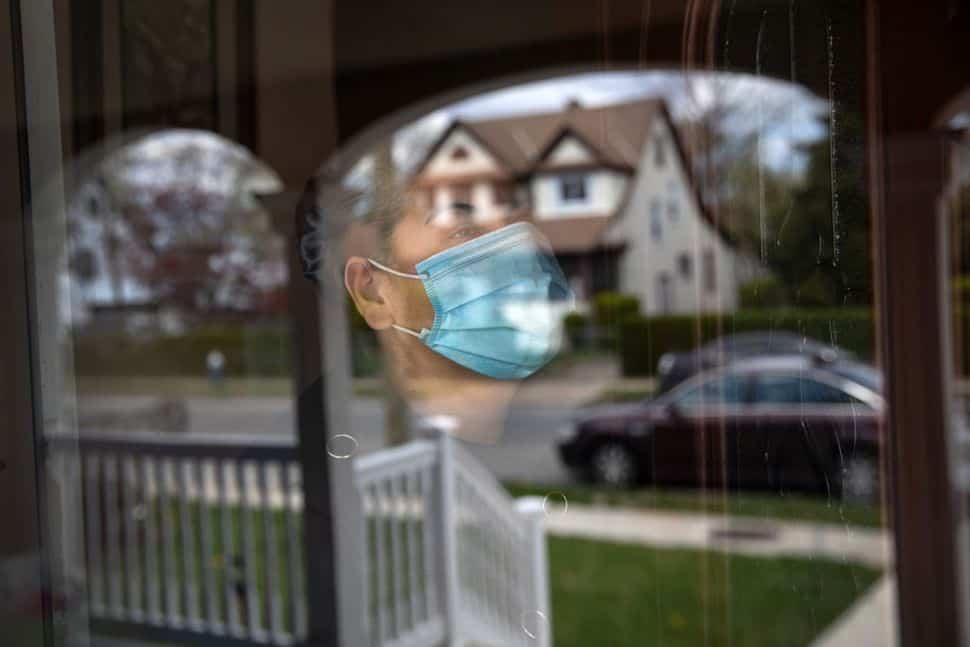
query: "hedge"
643, 340
250, 351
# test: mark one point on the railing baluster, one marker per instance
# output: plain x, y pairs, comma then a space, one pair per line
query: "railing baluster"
186, 532
383, 620
368, 571
411, 526
249, 555
293, 550
430, 547
129, 486
228, 551
172, 611
205, 528
152, 605
396, 557
112, 549
92, 497
269, 551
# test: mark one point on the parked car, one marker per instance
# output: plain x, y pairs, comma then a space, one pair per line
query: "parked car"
674, 368
780, 422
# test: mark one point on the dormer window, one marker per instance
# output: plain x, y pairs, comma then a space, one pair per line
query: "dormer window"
572, 188
459, 153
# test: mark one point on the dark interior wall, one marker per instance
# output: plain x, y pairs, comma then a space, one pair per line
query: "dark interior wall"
389, 56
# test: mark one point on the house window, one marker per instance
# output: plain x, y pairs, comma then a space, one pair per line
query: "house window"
684, 265
459, 153
673, 204
656, 220
659, 152
503, 193
572, 188
665, 293
461, 193
710, 272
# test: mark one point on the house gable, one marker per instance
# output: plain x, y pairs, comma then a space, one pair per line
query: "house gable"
459, 154
568, 151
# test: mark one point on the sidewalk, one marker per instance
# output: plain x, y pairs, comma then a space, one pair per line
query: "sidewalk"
870, 622
749, 536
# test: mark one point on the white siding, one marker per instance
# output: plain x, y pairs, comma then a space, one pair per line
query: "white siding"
478, 160
604, 190
569, 150
647, 259
444, 168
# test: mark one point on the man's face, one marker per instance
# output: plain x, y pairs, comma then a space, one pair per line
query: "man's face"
416, 236
431, 381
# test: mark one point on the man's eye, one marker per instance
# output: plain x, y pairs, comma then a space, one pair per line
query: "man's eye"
466, 232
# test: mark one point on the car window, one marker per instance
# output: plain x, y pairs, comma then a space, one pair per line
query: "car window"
784, 389
724, 389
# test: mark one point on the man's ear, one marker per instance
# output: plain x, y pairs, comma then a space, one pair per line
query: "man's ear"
364, 286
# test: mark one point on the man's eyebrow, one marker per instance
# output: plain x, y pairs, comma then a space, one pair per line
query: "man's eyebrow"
461, 209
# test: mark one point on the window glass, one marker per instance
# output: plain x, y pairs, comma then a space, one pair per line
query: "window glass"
726, 389
783, 389
656, 220
289, 273
684, 265
572, 188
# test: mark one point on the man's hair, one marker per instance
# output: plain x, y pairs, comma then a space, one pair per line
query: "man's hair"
327, 213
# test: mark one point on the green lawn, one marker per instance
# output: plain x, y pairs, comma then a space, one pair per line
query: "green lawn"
760, 505
602, 593
609, 595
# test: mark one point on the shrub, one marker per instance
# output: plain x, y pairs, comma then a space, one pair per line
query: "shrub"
767, 292
643, 340
248, 350
611, 308
574, 326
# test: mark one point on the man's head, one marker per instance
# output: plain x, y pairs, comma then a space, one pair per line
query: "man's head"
342, 230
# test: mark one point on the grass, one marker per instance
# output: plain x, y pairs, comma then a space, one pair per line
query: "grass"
601, 593
185, 386
615, 594
760, 505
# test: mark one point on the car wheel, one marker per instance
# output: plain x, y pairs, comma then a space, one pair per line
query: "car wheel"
860, 480
615, 465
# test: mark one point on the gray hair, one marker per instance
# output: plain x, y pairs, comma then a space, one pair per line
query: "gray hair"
328, 209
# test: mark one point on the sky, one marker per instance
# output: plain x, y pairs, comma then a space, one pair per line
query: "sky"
795, 110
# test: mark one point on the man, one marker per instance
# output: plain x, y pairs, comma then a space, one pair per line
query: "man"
464, 307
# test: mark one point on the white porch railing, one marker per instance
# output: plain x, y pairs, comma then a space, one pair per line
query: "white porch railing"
198, 540
451, 557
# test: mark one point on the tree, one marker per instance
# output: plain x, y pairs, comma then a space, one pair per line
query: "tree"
821, 249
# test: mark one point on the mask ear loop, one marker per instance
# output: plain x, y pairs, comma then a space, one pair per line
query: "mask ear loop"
394, 272
413, 333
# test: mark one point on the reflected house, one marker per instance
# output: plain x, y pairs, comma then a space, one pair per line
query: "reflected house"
611, 189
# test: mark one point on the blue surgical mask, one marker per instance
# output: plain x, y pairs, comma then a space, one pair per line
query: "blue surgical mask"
498, 303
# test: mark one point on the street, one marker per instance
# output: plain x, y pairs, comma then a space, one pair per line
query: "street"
525, 452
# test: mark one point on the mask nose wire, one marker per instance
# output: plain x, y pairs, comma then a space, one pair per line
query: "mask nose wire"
380, 266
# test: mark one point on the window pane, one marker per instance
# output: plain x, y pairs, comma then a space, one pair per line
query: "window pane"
718, 391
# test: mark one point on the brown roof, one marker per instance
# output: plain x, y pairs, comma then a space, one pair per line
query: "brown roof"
615, 133
574, 235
